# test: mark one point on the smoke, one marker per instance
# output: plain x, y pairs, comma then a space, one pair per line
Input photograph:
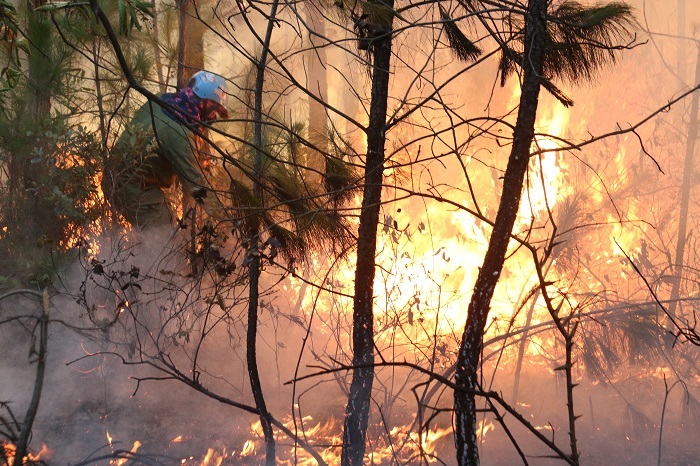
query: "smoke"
103, 334
132, 318
115, 350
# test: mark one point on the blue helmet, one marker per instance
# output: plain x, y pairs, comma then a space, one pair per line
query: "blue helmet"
210, 86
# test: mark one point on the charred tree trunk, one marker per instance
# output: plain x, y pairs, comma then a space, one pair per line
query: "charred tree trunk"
39, 60
513, 181
251, 353
357, 409
253, 255
686, 188
102, 115
570, 385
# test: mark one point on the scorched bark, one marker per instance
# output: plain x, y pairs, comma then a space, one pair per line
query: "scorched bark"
357, 410
513, 181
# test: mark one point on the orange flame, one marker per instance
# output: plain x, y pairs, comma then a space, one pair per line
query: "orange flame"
8, 452
248, 449
484, 427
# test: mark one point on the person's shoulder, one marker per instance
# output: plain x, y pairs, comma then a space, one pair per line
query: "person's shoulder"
158, 110
146, 110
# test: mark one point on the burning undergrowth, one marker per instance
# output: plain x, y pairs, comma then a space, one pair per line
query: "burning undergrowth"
147, 362
147, 340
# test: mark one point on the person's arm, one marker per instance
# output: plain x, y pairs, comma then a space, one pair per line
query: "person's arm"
177, 146
179, 149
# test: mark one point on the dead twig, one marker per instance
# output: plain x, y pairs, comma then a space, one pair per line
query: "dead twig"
43, 324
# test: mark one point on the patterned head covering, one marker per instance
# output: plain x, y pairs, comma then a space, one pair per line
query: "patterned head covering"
190, 108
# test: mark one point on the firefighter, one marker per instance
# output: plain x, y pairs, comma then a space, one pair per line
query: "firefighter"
160, 145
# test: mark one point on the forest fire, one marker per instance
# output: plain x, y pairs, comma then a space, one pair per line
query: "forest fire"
354, 247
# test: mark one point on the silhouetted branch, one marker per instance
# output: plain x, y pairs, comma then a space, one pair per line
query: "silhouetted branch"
43, 326
689, 333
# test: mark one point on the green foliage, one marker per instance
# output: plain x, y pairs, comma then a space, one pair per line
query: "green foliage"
295, 214
49, 192
81, 7
66, 165
11, 44
48, 63
129, 12
77, 25
129, 15
74, 170
54, 204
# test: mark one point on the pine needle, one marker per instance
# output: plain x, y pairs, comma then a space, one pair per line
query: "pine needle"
583, 39
637, 424
690, 410
556, 92
340, 179
378, 13
293, 246
244, 204
510, 60
461, 46
580, 41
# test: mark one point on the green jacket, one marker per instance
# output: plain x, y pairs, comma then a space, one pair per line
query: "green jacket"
152, 151
161, 149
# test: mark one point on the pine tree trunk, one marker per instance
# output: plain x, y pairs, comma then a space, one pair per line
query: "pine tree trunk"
162, 84
190, 59
681, 43
190, 42
471, 344
252, 358
254, 257
318, 86
686, 188
41, 78
357, 409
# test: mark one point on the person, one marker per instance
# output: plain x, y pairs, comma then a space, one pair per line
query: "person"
158, 146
